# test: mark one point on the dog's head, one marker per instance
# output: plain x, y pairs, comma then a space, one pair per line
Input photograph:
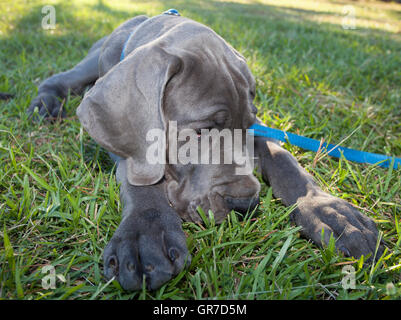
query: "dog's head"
189, 79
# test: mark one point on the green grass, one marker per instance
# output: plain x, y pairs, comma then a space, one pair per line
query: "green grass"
59, 201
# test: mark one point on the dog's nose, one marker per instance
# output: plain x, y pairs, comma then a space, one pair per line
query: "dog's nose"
242, 205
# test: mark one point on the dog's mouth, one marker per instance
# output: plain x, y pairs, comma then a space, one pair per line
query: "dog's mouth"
188, 210
219, 205
213, 202
193, 195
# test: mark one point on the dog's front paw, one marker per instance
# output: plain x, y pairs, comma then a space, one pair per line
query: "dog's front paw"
355, 233
147, 245
48, 106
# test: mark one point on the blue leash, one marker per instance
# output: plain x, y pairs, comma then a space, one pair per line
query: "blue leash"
332, 150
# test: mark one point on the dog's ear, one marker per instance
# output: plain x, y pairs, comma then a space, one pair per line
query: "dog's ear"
125, 104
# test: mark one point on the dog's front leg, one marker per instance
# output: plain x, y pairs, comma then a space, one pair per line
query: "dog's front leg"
149, 241
54, 89
355, 233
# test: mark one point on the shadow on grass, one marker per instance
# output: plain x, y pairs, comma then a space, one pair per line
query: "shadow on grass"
274, 36
119, 14
77, 28
254, 27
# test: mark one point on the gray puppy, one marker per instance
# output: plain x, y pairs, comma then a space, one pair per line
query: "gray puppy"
177, 69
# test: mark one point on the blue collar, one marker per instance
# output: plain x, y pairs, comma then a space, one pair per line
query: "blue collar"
172, 12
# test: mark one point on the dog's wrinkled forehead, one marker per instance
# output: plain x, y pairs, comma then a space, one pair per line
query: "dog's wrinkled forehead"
214, 79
